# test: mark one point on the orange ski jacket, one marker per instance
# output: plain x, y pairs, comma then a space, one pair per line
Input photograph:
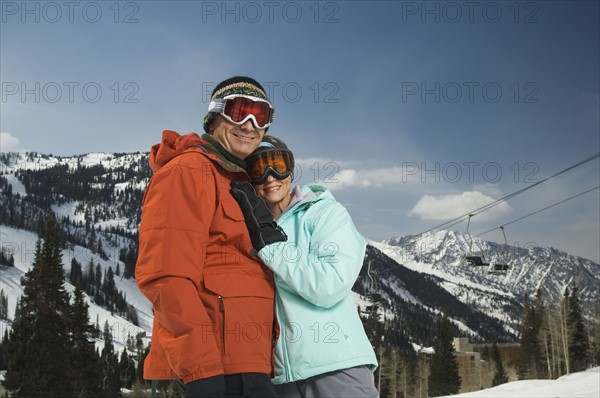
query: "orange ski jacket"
213, 301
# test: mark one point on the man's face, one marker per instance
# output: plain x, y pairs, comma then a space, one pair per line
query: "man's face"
240, 141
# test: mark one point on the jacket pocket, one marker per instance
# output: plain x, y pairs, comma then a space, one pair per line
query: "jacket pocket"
231, 209
246, 313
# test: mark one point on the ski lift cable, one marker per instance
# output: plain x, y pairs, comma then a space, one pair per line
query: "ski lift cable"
540, 210
481, 209
509, 196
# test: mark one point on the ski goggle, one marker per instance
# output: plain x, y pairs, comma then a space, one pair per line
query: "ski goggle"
276, 162
239, 108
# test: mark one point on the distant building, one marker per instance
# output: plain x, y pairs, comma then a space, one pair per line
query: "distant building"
475, 365
469, 365
509, 352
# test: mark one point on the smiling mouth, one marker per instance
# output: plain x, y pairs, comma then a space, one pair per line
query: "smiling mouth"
271, 189
243, 137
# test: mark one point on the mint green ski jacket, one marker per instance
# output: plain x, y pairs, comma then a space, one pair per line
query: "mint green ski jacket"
314, 272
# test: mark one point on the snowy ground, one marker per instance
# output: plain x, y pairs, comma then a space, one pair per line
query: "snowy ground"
577, 385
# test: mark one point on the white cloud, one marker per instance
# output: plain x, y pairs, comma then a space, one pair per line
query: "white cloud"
10, 143
338, 175
489, 190
446, 207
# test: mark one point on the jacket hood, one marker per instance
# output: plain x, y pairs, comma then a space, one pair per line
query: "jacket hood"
307, 196
171, 145
315, 192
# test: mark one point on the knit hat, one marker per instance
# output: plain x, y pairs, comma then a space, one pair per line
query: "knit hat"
234, 85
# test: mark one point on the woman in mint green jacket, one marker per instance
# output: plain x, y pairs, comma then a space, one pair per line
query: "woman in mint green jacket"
322, 350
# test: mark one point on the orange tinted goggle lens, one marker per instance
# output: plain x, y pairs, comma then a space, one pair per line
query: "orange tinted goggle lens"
239, 108
260, 164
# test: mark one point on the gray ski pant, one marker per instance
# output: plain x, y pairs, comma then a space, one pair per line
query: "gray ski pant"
354, 382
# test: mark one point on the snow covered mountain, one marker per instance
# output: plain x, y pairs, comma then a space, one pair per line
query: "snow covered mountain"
97, 198
411, 279
511, 272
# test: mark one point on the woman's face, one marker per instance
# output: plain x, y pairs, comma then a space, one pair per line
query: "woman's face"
273, 191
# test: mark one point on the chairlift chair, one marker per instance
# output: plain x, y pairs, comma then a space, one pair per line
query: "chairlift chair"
476, 261
472, 259
501, 267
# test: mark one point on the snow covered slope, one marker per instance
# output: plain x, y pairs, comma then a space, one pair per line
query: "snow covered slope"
577, 385
22, 245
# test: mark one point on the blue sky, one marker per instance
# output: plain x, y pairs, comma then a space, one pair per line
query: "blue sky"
412, 112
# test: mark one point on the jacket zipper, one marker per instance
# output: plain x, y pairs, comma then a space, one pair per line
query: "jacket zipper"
283, 339
222, 310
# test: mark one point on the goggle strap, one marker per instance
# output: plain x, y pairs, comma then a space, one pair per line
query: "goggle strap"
216, 105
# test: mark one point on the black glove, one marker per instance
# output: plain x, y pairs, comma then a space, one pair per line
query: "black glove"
211, 387
259, 220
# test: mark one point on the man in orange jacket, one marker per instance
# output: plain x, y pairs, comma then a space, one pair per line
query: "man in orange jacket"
214, 324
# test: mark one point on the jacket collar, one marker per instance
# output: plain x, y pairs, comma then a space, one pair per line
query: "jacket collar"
306, 196
173, 144
225, 159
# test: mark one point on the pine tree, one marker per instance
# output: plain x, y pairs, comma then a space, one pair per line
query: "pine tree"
144, 351
111, 384
529, 358
3, 305
3, 345
595, 349
98, 278
88, 279
126, 370
110, 283
76, 273
500, 376
443, 368
84, 371
109, 290
6, 258
39, 340
578, 338
97, 330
